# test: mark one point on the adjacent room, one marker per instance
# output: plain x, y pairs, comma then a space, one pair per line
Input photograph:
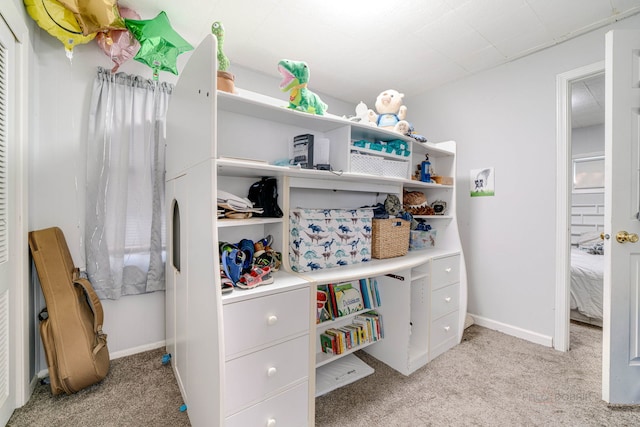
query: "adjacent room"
429, 199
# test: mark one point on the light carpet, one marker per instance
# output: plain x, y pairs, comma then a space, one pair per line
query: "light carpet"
490, 379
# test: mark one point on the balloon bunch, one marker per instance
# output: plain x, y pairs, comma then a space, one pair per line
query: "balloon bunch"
118, 31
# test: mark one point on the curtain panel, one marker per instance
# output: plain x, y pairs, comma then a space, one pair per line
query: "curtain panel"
124, 226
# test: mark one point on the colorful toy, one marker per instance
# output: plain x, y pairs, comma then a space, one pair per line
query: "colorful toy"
295, 77
390, 113
218, 30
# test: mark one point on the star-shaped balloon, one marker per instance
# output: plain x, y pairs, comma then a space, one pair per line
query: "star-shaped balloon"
95, 15
160, 45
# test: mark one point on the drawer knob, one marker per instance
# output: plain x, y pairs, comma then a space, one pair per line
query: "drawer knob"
272, 371
272, 320
446, 328
271, 422
447, 299
448, 269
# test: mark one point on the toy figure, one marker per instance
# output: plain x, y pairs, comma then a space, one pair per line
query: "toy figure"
295, 77
390, 113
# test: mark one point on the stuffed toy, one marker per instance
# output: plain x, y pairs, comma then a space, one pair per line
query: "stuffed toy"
362, 115
390, 113
295, 77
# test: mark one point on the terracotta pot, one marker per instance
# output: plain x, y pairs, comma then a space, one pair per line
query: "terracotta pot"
226, 81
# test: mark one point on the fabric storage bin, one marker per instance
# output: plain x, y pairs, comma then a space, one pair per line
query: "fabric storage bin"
390, 238
395, 168
422, 239
366, 164
327, 238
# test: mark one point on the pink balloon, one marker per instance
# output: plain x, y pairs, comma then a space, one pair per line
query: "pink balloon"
119, 45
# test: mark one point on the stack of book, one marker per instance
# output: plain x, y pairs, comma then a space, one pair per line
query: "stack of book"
365, 328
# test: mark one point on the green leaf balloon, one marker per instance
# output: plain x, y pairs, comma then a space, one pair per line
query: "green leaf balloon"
160, 44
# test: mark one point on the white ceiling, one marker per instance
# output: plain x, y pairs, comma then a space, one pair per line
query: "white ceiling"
358, 48
587, 102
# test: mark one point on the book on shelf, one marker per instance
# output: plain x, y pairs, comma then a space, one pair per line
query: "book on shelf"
365, 328
323, 304
348, 299
328, 343
376, 293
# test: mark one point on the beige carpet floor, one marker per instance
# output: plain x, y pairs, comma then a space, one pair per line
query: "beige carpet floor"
490, 379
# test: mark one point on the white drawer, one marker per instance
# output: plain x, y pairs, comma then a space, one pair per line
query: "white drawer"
445, 271
288, 409
250, 324
445, 300
250, 378
443, 329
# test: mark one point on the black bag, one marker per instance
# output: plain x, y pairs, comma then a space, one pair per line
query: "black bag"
264, 194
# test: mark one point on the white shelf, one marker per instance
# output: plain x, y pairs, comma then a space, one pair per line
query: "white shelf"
433, 216
375, 267
340, 373
282, 281
327, 358
230, 222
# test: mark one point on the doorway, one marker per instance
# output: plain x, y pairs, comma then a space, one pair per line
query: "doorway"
580, 95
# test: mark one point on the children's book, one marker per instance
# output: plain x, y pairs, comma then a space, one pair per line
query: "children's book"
365, 290
323, 304
348, 299
328, 343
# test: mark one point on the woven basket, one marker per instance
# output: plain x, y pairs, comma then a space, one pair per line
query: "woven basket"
390, 238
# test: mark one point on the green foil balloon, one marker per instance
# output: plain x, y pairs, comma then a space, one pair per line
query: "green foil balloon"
160, 45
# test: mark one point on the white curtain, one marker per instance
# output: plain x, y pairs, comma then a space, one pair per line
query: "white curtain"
124, 228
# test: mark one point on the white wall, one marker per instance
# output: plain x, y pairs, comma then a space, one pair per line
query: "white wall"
587, 140
506, 118
60, 95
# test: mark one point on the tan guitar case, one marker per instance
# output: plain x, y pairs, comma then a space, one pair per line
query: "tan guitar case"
71, 323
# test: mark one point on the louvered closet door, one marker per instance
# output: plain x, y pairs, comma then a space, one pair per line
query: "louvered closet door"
7, 400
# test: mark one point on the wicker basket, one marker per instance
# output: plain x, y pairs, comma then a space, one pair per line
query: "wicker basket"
390, 238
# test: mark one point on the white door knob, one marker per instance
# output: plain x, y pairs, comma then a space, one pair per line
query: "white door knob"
271, 423
271, 371
448, 269
271, 320
447, 299
446, 328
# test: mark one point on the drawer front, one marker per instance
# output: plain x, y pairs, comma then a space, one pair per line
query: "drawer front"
445, 271
288, 409
256, 322
252, 377
445, 300
443, 329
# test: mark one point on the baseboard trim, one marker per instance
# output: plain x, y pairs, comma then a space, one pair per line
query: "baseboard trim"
136, 350
112, 356
524, 334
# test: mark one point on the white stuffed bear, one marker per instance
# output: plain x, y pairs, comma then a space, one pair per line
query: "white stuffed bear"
390, 113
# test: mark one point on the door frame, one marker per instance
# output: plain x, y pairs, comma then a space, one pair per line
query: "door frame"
563, 197
16, 21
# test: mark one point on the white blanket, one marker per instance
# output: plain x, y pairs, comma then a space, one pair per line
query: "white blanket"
587, 272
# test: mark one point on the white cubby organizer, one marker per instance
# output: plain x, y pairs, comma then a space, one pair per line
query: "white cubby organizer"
253, 357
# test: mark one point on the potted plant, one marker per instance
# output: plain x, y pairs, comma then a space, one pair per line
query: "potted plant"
225, 78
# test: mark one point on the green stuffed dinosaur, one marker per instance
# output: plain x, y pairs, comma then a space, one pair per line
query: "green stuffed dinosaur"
295, 76
218, 30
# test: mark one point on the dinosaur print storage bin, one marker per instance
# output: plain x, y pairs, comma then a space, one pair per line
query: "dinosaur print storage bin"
327, 238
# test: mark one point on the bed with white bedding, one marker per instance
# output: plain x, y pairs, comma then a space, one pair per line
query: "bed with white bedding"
587, 272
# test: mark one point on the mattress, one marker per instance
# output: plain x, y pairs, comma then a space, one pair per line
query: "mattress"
587, 272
